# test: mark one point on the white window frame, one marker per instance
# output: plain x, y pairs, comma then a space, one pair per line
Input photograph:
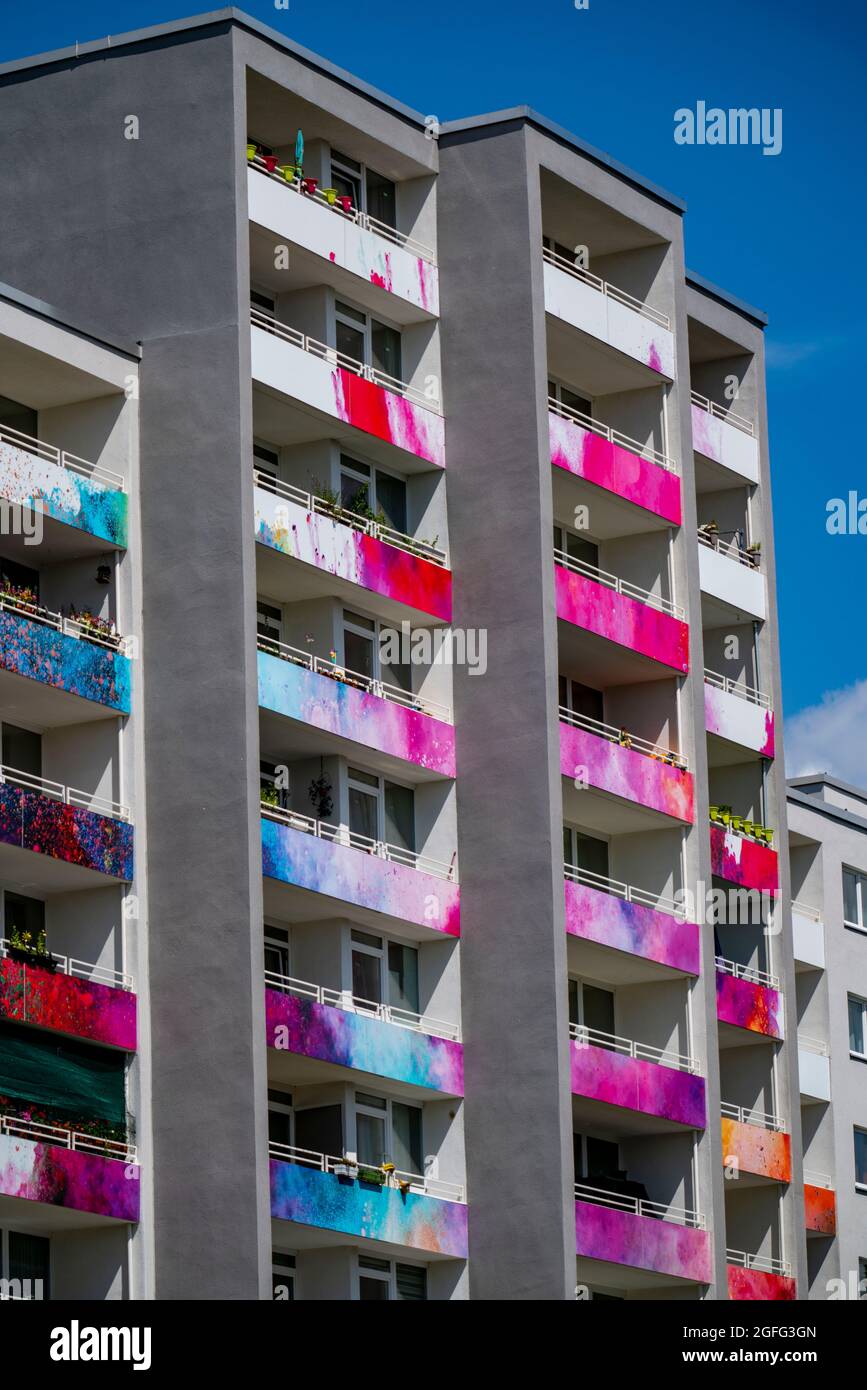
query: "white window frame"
359, 1108
861, 897
359, 176
276, 944
284, 1108
380, 954
262, 602
862, 1130
561, 386
581, 981
378, 793
344, 464
388, 1276
366, 328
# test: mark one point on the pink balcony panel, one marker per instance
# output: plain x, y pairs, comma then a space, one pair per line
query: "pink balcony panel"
622, 1237
624, 772
740, 860
759, 1285
631, 927
588, 455
746, 1004
621, 619
752, 1149
635, 1084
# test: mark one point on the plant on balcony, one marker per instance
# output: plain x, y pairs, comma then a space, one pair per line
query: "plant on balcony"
268, 794
75, 1124
325, 494
92, 625
375, 1176
22, 947
19, 592
319, 791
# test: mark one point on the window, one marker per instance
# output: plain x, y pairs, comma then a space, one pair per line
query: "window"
576, 547
591, 1006
586, 853
367, 340
282, 1277
22, 915
21, 749
364, 488
269, 623
581, 699
855, 899
371, 957
381, 810
277, 951
271, 788
572, 400
560, 249
389, 1280
370, 192
361, 652
861, 1159
280, 1118
265, 302
266, 461
388, 1131
857, 1027
374, 1279
595, 1158
20, 577
25, 1261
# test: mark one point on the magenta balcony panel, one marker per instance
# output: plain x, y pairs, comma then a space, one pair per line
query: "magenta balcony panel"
738, 859
69, 1178
760, 1284
44, 825
67, 1004
624, 1238
722, 442
636, 1084
624, 772
631, 927
747, 1004
621, 619
353, 876
610, 466
349, 554
741, 721
341, 709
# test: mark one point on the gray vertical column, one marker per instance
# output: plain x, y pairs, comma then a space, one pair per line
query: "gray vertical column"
513, 944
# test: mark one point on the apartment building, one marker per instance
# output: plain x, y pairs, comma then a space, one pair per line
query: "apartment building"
465, 958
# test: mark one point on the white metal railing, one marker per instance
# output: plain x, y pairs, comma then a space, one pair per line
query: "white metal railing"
361, 219
746, 1116
730, 548
342, 835
79, 969
642, 1052
717, 411
71, 627
815, 1045
334, 358
49, 453
335, 671
67, 1139
350, 1167
369, 1008
626, 891
818, 1179
320, 507
604, 287
645, 451
639, 1206
69, 795
746, 972
733, 687
765, 1263
620, 586
623, 738
804, 911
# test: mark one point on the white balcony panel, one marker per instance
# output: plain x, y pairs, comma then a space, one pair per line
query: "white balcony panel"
814, 1070
725, 444
808, 940
603, 317
737, 586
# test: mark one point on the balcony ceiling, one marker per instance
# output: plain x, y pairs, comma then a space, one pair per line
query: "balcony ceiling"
571, 216
588, 364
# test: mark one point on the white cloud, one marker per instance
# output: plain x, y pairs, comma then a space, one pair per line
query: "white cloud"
829, 737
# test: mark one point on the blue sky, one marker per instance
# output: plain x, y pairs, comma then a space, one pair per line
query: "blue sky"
785, 233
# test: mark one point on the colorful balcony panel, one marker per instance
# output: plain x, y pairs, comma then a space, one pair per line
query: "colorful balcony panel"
738, 720
330, 1034
351, 875
29, 481
758, 1284
740, 860
624, 772
621, 619
339, 550
745, 1004
631, 927
588, 455
34, 821
341, 709
752, 1149
68, 1178
726, 444
344, 396
67, 1004
635, 1084
624, 1238
606, 318
82, 668
820, 1210
360, 1209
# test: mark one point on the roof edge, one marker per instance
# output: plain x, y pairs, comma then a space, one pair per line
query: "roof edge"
47, 311
731, 301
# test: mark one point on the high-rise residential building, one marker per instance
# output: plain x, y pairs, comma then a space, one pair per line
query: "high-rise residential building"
441, 727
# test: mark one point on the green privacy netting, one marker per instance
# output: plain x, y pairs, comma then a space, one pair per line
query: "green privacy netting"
60, 1076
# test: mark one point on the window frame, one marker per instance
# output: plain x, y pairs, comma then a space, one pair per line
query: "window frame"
5, 1269
364, 324
388, 1276
859, 1132
861, 899
288, 1273
856, 999
386, 1111
378, 793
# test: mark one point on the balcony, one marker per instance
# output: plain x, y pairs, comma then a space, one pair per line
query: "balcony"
820, 1204
752, 1277
339, 388
633, 1076
627, 919
71, 997
584, 301
362, 250
624, 766
57, 1167
353, 550
333, 1027
644, 1235
738, 717
614, 462
62, 826
400, 1209
725, 438
732, 587
66, 490
82, 657
740, 857
748, 999
808, 937
381, 880
633, 619
358, 712
814, 1070
755, 1145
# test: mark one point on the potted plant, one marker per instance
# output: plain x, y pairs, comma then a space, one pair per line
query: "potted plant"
268, 794
23, 948
374, 1176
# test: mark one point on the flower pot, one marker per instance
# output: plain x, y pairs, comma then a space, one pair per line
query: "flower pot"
34, 958
289, 173
251, 151
330, 196
345, 202
309, 185
270, 162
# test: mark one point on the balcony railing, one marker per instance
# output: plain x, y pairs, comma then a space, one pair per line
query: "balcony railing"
761, 1262
728, 543
342, 835
368, 527
361, 219
49, 453
814, 1179
578, 1032
724, 817
78, 969
639, 1206
116, 810
816, 1045
334, 358
620, 586
624, 738
746, 972
71, 627
613, 436
335, 671
67, 1139
368, 1008
350, 1167
605, 288
746, 1116
626, 891
732, 687
804, 911
717, 411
